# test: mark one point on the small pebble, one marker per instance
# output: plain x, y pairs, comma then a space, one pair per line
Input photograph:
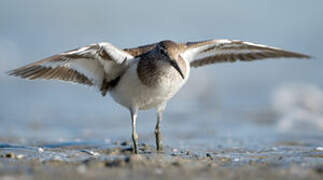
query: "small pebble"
57, 158
10, 155
125, 143
20, 156
274, 148
209, 156
40, 150
90, 152
126, 150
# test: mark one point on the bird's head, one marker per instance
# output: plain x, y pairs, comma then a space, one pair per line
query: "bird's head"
169, 51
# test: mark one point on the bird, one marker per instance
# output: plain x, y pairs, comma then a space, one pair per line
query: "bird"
144, 77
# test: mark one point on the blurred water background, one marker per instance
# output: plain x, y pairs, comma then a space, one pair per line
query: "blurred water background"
254, 103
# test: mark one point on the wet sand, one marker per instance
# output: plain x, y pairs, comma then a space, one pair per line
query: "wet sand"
115, 160
198, 144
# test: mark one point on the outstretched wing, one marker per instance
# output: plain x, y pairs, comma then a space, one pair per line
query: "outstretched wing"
224, 50
89, 65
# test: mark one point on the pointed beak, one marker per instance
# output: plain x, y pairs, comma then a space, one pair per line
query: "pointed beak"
175, 65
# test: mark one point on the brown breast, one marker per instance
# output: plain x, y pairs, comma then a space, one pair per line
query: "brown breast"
153, 71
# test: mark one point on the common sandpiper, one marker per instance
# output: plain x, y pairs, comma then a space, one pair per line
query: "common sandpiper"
144, 77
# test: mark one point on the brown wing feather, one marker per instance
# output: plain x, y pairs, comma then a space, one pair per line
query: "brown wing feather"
37, 71
89, 65
232, 50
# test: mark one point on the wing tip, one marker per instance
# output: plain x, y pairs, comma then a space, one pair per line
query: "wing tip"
308, 57
13, 72
301, 56
10, 72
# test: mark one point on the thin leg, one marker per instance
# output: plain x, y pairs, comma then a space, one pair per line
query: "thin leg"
158, 135
134, 133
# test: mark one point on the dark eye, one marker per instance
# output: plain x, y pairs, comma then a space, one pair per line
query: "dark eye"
163, 51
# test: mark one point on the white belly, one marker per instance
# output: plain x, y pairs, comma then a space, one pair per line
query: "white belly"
131, 93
